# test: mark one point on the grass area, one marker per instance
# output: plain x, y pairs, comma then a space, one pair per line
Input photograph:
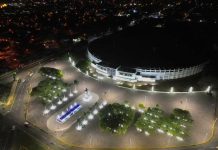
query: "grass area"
24, 142
5, 91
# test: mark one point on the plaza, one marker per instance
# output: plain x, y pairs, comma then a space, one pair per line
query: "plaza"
200, 105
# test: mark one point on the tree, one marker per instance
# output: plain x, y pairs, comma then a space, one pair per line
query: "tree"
83, 65
51, 72
47, 89
116, 118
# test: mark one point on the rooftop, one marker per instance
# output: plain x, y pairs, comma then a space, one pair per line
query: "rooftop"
147, 47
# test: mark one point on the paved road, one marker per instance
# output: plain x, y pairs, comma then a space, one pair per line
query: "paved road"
16, 115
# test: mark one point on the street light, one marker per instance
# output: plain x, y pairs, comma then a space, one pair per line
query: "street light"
87, 73
79, 128
84, 122
208, 89
65, 99
152, 89
100, 106
75, 91
53, 107
64, 90
133, 108
73, 64
70, 59
160, 130
46, 111
133, 86
95, 111
190, 89
147, 133
171, 90
179, 138
90, 117
71, 94
104, 102
60, 102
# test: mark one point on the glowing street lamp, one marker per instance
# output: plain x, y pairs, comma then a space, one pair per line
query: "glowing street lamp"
100, 106
139, 130
141, 110
87, 73
53, 107
179, 138
190, 89
71, 94
208, 89
133, 108
59, 102
95, 111
75, 91
169, 134
160, 130
90, 116
100, 77
84, 122
104, 103
152, 89
64, 90
70, 59
133, 86
147, 133
79, 128
65, 99
171, 90
73, 63
46, 111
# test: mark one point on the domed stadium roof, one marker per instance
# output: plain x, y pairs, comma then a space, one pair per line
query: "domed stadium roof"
148, 47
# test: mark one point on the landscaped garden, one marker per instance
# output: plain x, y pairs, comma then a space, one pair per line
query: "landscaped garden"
51, 72
117, 118
4, 92
154, 120
49, 89
83, 65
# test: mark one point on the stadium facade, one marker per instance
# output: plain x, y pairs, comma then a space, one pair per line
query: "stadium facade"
144, 53
122, 73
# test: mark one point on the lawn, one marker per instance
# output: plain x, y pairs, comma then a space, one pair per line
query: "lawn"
5, 91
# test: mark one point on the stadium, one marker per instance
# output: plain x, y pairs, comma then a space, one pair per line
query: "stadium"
147, 54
